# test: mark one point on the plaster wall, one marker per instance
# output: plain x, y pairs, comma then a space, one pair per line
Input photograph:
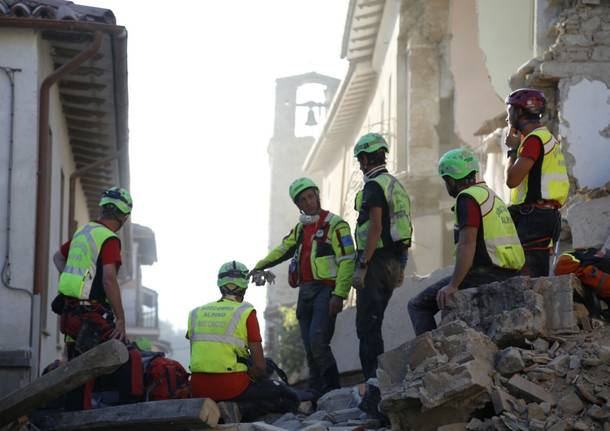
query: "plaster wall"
18, 49
586, 130
475, 98
506, 36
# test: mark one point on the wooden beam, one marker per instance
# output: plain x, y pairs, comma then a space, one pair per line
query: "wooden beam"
98, 361
168, 415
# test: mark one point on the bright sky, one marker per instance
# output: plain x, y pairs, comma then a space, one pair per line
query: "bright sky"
201, 110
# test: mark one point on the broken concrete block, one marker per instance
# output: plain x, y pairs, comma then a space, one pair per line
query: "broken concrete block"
345, 415
509, 361
441, 389
589, 222
570, 403
320, 415
516, 309
534, 411
338, 399
523, 388
502, 401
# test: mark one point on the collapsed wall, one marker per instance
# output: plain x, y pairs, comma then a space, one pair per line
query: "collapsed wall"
508, 356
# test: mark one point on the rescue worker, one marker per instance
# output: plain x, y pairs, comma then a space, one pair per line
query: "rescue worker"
487, 246
538, 177
383, 237
89, 299
89, 264
322, 252
225, 338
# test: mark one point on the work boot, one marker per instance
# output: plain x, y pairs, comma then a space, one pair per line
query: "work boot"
331, 379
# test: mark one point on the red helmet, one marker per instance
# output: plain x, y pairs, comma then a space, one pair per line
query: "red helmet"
530, 100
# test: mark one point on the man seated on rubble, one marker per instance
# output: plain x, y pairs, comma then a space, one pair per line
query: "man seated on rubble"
487, 245
225, 338
89, 299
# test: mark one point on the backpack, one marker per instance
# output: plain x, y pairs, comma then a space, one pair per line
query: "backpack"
590, 266
164, 378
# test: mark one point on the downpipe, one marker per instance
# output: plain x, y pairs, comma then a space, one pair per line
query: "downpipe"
43, 193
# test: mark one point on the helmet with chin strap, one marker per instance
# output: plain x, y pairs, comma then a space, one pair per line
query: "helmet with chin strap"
530, 100
235, 273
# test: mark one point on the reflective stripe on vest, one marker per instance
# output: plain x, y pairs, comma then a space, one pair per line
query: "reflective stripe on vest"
77, 277
499, 232
399, 212
324, 267
554, 182
219, 336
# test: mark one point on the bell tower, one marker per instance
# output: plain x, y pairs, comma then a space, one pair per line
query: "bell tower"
299, 115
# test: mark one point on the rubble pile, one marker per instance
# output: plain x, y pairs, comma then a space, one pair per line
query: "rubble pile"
503, 360
336, 411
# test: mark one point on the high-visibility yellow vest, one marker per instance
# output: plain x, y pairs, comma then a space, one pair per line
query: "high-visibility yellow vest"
399, 207
499, 232
76, 279
219, 336
554, 182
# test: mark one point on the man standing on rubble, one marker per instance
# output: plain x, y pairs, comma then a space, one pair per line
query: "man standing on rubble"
89, 263
538, 177
227, 358
89, 299
322, 252
487, 246
383, 236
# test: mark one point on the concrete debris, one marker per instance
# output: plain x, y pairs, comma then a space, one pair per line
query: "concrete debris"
339, 399
484, 369
509, 361
517, 309
445, 387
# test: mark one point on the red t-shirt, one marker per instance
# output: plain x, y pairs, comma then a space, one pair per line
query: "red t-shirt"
531, 148
226, 386
110, 253
309, 232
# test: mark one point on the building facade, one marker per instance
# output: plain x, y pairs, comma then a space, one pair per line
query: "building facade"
63, 140
432, 75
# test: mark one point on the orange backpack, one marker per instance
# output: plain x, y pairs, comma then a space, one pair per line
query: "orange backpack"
165, 379
591, 267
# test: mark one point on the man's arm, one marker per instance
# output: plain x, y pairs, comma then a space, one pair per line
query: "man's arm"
259, 366
374, 233
282, 252
113, 293
464, 256
60, 261
517, 170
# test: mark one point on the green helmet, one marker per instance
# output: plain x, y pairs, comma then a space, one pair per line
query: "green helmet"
118, 197
370, 143
143, 343
299, 185
233, 272
458, 163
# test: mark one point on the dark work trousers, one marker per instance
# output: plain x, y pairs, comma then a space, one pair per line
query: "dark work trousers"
266, 396
538, 230
317, 329
382, 276
423, 307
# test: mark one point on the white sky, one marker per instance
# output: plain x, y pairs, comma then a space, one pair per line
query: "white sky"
201, 110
